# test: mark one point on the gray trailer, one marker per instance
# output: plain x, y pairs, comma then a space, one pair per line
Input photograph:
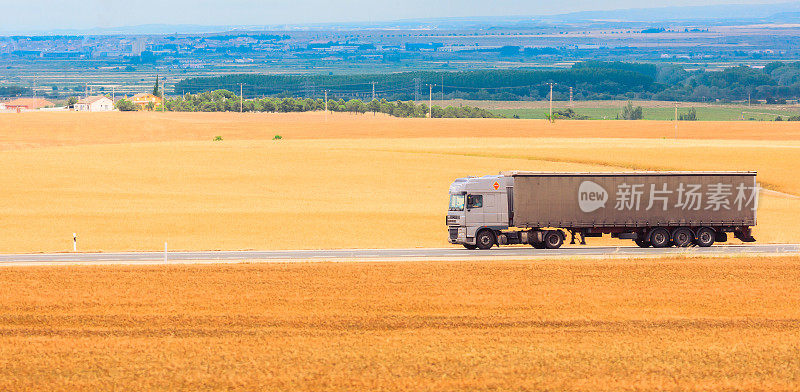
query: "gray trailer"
657, 209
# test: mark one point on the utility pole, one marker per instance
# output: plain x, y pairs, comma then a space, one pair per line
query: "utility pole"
570, 97
114, 93
164, 95
748, 99
442, 90
676, 121
373, 90
430, 100
241, 98
551, 102
326, 105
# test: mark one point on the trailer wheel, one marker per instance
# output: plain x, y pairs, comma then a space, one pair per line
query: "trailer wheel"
470, 247
705, 237
553, 239
485, 239
642, 243
682, 237
659, 237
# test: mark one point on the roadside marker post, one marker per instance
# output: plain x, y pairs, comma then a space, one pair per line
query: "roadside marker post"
165, 251
74, 242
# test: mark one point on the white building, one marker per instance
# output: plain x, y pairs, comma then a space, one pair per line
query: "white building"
97, 103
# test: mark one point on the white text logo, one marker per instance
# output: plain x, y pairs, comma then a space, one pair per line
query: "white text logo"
591, 196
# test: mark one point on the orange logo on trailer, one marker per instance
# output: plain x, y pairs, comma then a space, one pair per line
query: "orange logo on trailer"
496, 185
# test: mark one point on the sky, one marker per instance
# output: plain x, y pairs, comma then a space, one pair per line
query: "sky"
40, 15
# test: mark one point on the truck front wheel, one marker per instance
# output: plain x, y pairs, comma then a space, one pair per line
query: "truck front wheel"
553, 239
470, 247
485, 239
659, 238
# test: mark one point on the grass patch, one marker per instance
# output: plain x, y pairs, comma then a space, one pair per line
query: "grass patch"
662, 114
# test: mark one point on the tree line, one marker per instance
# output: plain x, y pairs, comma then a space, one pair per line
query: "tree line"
227, 101
14, 91
479, 85
589, 80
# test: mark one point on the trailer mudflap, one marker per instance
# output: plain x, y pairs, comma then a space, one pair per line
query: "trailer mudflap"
744, 234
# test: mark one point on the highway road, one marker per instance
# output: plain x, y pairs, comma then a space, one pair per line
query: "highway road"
508, 253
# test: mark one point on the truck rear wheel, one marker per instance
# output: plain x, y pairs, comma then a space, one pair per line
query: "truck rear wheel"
485, 239
705, 237
682, 237
659, 237
553, 239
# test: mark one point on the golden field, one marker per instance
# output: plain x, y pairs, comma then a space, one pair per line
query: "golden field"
69, 128
127, 181
672, 324
131, 181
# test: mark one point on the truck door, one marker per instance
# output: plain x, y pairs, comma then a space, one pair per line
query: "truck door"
474, 213
492, 212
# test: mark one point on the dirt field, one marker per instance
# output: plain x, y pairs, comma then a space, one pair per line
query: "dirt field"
338, 191
675, 324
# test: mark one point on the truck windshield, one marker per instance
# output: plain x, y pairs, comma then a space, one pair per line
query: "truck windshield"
456, 203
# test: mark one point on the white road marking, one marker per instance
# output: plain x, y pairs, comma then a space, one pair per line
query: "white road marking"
390, 254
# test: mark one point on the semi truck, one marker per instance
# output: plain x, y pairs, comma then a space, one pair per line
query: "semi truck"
658, 209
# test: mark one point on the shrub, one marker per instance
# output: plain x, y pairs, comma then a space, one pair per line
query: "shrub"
568, 114
632, 113
690, 116
124, 105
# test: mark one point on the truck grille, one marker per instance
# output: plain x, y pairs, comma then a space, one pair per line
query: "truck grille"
453, 233
452, 220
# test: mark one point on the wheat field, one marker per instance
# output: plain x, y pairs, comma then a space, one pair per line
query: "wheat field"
68, 128
126, 181
672, 324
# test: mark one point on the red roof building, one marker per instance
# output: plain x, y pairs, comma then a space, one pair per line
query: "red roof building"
28, 104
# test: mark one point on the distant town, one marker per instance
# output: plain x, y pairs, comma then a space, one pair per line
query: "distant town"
59, 65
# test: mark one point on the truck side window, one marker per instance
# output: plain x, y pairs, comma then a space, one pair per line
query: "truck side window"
474, 201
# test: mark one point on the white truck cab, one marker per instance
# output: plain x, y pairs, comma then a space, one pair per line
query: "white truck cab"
477, 203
